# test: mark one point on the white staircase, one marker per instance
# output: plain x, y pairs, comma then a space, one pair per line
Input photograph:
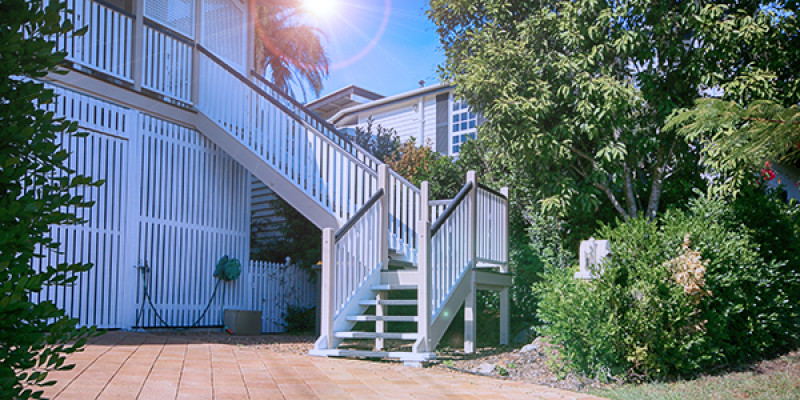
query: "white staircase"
399, 266
389, 252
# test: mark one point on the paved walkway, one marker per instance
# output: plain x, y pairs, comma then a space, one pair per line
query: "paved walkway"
123, 365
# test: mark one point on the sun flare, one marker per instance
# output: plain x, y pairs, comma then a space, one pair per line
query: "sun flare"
321, 9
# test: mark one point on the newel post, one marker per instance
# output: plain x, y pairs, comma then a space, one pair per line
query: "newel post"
470, 304
505, 321
328, 259
424, 281
383, 232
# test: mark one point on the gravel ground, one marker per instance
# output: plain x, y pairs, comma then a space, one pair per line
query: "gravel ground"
280, 342
530, 363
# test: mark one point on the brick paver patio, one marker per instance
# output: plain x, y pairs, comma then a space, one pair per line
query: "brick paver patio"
124, 365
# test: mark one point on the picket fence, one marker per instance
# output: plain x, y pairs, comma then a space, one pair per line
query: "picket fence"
276, 286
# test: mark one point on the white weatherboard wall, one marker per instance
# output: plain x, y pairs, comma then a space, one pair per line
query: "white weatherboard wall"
407, 118
172, 200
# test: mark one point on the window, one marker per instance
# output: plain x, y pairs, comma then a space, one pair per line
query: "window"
463, 126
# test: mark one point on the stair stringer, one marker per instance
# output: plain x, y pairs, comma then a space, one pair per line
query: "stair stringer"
340, 322
285, 188
444, 317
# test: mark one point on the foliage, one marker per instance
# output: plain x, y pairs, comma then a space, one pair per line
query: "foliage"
421, 163
736, 140
576, 93
299, 239
300, 319
381, 142
683, 294
37, 190
751, 115
287, 47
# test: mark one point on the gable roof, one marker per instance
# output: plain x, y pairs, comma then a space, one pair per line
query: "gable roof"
421, 92
349, 96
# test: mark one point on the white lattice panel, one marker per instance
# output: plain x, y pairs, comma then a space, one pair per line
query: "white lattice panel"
224, 30
175, 14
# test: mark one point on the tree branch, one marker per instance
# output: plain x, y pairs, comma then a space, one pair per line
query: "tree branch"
613, 199
630, 194
583, 155
768, 120
658, 182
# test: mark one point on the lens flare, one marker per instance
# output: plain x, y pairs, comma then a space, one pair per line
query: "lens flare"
321, 9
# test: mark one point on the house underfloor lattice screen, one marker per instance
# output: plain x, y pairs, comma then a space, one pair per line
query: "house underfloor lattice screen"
95, 298
194, 206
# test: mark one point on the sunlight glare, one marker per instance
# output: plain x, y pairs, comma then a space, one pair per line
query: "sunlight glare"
322, 9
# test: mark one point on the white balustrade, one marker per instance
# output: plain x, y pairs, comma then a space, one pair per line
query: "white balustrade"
492, 236
167, 65
450, 257
437, 207
404, 209
106, 46
332, 177
317, 123
357, 255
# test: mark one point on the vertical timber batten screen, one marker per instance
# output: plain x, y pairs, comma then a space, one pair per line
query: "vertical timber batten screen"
94, 299
194, 209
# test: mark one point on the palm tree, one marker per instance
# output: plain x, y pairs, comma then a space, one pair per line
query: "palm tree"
288, 49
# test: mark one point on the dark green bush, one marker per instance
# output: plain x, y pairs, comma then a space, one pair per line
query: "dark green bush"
37, 190
299, 319
641, 320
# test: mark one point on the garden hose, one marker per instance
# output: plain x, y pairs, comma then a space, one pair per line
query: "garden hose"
232, 270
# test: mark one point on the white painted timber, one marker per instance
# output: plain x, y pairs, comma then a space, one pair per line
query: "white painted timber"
276, 287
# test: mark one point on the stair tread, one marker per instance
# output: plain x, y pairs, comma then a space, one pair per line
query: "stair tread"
388, 302
401, 263
375, 335
388, 318
393, 287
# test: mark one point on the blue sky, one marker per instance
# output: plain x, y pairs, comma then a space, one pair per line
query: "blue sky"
405, 51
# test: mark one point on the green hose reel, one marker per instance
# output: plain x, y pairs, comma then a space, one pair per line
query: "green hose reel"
228, 269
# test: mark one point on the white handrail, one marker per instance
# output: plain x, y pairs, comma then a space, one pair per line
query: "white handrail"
333, 178
317, 123
492, 240
357, 253
450, 251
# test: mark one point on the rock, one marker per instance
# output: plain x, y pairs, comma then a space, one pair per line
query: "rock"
524, 336
529, 348
485, 369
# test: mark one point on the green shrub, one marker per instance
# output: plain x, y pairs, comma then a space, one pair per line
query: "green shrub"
300, 319
646, 317
37, 191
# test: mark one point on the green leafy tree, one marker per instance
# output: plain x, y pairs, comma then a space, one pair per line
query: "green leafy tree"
381, 142
577, 93
737, 141
289, 49
36, 191
751, 115
421, 163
